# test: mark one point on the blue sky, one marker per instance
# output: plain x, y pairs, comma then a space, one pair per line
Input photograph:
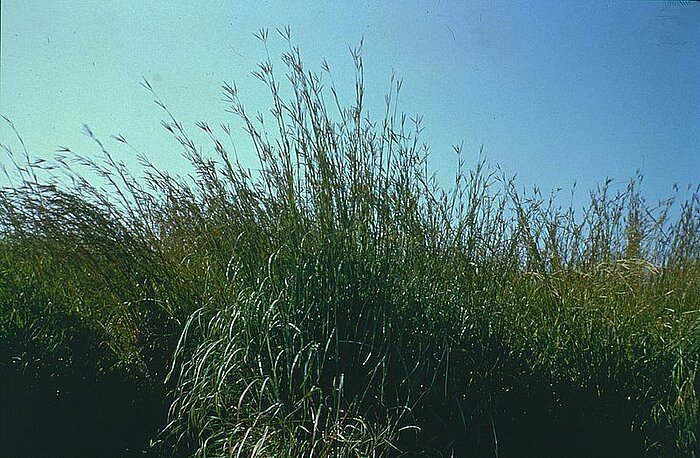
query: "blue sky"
556, 92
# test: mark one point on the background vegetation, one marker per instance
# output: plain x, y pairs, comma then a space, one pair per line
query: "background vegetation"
338, 302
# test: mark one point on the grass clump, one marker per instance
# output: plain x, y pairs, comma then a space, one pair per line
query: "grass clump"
339, 302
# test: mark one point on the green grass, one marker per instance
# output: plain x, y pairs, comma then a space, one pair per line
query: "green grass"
340, 302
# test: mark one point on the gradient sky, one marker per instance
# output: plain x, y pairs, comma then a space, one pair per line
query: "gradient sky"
556, 92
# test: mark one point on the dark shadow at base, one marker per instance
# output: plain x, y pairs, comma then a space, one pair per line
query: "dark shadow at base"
77, 419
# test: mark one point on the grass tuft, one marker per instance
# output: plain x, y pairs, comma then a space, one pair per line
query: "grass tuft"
339, 301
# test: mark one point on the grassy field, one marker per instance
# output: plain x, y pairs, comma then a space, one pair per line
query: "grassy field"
339, 302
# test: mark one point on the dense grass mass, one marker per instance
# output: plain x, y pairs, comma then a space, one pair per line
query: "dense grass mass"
339, 302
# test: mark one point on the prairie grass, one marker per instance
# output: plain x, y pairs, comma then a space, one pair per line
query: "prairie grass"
339, 302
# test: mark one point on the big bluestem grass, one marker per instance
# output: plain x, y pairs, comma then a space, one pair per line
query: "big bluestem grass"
339, 302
